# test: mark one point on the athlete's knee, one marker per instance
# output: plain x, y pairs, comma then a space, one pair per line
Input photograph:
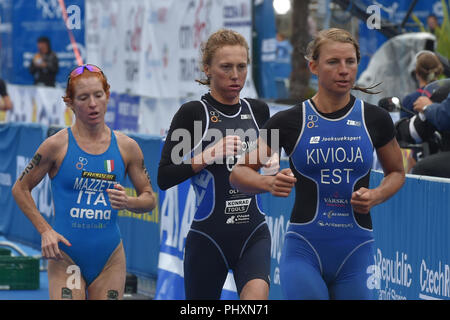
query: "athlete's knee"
66, 293
112, 295
256, 289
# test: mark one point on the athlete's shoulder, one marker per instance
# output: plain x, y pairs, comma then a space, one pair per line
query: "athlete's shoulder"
289, 115
57, 141
374, 112
290, 111
289, 124
59, 135
128, 147
54, 148
260, 109
379, 124
193, 106
257, 103
124, 140
192, 110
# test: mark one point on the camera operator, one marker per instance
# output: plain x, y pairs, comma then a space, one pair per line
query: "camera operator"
438, 114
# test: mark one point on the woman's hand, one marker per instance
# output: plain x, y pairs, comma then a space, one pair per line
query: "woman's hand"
118, 197
49, 244
226, 147
283, 182
364, 199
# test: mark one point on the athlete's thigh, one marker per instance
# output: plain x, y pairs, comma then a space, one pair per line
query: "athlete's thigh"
205, 270
65, 280
351, 281
255, 260
300, 273
110, 283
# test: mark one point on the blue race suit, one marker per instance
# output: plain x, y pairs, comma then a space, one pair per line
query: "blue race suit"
83, 213
327, 256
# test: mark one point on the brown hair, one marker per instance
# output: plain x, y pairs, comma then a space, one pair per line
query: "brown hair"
71, 83
338, 35
428, 66
219, 39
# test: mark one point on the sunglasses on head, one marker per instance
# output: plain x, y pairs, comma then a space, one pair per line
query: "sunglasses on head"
80, 69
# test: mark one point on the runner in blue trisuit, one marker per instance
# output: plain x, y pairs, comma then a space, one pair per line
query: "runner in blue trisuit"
330, 140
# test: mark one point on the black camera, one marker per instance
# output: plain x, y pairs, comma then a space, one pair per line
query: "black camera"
416, 132
409, 130
413, 131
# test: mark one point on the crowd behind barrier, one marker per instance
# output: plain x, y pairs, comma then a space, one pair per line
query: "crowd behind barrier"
411, 261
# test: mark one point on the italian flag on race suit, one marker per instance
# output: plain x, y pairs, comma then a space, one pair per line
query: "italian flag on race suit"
109, 165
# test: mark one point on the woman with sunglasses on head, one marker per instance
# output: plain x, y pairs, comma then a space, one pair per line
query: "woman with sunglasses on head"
229, 231
330, 139
87, 164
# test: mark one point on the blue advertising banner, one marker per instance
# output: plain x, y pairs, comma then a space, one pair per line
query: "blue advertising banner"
123, 112
177, 209
412, 240
127, 113
18, 143
111, 111
32, 19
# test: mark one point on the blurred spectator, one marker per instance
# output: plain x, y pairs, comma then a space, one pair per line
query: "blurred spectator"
428, 69
5, 101
44, 65
438, 114
282, 66
432, 24
283, 57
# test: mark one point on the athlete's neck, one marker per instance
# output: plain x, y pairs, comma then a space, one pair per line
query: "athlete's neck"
90, 132
330, 103
224, 100
92, 141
